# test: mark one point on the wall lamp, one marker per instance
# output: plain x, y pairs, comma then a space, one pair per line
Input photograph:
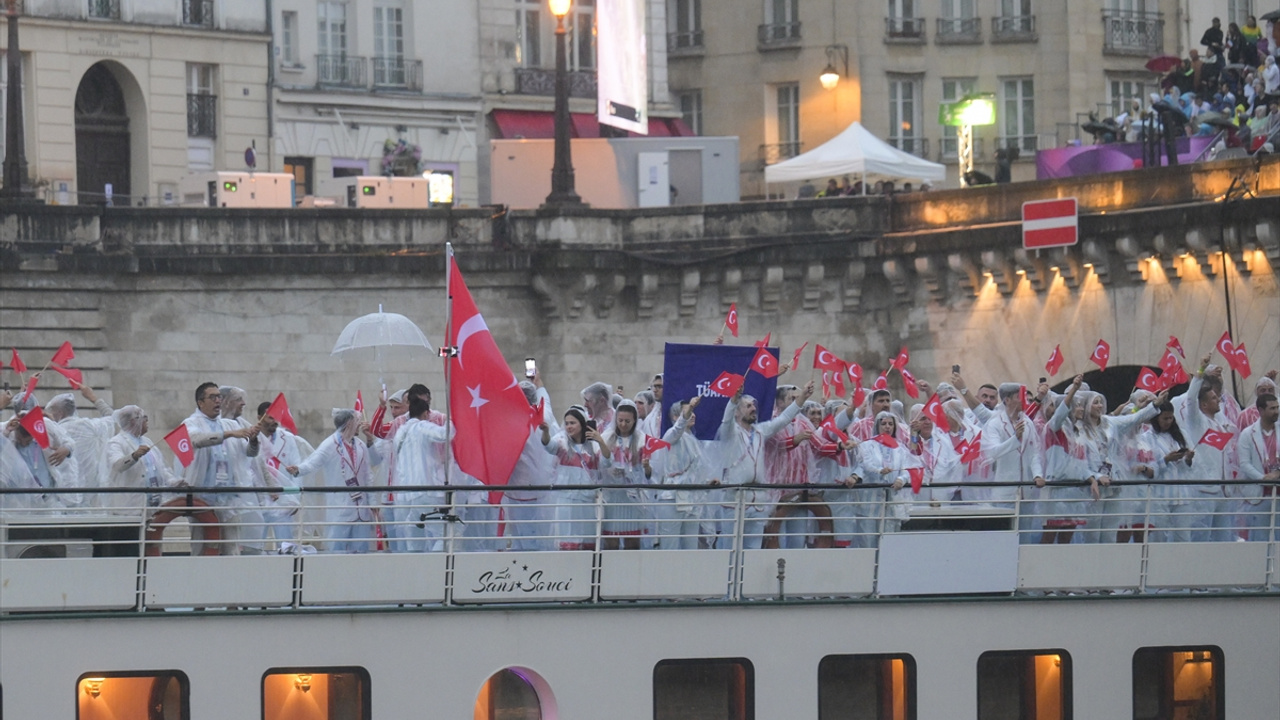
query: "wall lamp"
830, 77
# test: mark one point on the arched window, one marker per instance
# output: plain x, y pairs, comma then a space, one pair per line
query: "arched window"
515, 693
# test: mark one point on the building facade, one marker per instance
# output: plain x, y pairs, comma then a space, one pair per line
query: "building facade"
752, 70
124, 98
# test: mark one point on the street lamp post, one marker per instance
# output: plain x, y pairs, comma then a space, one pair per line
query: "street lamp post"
16, 188
562, 194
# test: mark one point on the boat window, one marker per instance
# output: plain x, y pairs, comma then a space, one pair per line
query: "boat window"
1178, 682
515, 693
704, 689
876, 687
150, 695
316, 693
1024, 685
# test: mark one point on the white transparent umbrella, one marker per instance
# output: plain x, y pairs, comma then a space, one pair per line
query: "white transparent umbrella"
380, 337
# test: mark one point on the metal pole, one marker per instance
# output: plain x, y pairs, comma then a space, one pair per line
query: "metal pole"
16, 186
562, 182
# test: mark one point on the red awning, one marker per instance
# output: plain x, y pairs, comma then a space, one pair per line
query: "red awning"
585, 125
658, 128
526, 124
679, 128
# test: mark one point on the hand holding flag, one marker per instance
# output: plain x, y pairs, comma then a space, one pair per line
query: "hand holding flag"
653, 445
33, 422
1216, 439
179, 440
280, 411
764, 363
934, 411
909, 383
972, 450
727, 384
899, 362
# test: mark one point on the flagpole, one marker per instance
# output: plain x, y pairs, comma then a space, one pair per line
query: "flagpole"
448, 405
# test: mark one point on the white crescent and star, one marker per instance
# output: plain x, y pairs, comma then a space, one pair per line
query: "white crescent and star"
477, 402
825, 358
473, 325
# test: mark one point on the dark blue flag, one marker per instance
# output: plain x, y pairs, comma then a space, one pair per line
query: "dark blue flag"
688, 371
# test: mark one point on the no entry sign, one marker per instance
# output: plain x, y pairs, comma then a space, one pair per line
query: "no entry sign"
1049, 223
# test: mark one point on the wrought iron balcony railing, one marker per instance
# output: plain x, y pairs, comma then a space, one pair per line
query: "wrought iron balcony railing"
197, 12
772, 35
202, 115
1013, 28
540, 81
904, 29
1133, 33
959, 31
104, 9
684, 43
397, 73
341, 71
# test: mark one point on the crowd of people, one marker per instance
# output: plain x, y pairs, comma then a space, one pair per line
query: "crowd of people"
844, 188
831, 473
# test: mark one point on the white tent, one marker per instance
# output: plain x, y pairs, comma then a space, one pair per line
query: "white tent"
857, 153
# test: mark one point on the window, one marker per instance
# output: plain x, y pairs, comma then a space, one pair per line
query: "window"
904, 21
1178, 682
710, 689
302, 169
197, 12
1024, 685
388, 46
333, 693
952, 90
691, 110
786, 121
289, 38
1018, 110
331, 18
104, 9
108, 696
1121, 90
582, 35
528, 33
510, 694
957, 9
904, 113
1238, 11
781, 22
877, 687
687, 18
1015, 21
202, 102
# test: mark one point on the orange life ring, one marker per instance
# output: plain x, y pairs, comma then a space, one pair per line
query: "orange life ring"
186, 506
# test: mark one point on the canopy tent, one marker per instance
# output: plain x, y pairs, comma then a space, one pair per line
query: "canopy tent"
855, 152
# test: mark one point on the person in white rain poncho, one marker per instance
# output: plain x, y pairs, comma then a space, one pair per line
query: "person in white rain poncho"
1171, 462
346, 463
597, 399
887, 461
1265, 387
50, 467
837, 465
420, 513
579, 455
960, 431
213, 464
1259, 453
528, 517
1130, 458
1065, 461
1009, 442
625, 511
650, 411
134, 462
937, 454
250, 529
14, 473
1213, 503
679, 512
277, 449
89, 435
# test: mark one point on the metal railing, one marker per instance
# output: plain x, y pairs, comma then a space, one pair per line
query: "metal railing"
917, 146
341, 71
1133, 33
104, 9
684, 42
397, 72
778, 34
904, 29
541, 81
959, 31
949, 148
1013, 28
197, 12
202, 115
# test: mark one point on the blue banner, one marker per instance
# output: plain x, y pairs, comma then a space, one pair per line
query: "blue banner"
689, 370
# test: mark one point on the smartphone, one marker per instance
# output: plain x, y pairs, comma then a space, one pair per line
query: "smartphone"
955, 369
591, 424
1044, 380
530, 367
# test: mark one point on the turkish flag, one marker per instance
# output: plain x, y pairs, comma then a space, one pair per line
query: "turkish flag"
972, 449
765, 363
795, 361
1101, 355
829, 424
934, 411
824, 359
33, 422
909, 383
63, 356
859, 395
535, 421
1216, 439
487, 406
1239, 361
1174, 344
727, 384
1055, 361
15, 362
75, 376
179, 440
837, 383
899, 362
881, 383
359, 406
280, 411
1022, 397
855, 373
1225, 346
826, 386
917, 479
731, 320
653, 445
765, 341
1148, 380
1169, 362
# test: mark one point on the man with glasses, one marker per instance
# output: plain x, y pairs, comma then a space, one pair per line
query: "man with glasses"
214, 464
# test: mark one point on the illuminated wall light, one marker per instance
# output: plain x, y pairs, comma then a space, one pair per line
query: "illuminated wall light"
302, 682
1021, 271
93, 687
1088, 266
1055, 268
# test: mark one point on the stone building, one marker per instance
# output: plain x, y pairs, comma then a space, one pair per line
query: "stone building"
137, 94
751, 70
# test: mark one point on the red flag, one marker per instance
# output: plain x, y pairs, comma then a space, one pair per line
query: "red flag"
487, 407
855, 373
1174, 344
727, 384
826, 385
179, 440
1148, 380
1169, 362
33, 422
765, 363
909, 383
899, 362
1101, 355
31, 386
1055, 361
1022, 397
917, 479
1216, 439
829, 424
15, 362
539, 414
972, 449
75, 376
934, 411
359, 406
881, 383
64, 355
859, 395
653, 445
1239, 361
1225, 346
795, 361
731, 320
837, 383
823, 359
886, 440
765, 341
280, 411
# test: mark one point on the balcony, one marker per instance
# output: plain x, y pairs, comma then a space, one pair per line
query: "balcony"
1024, 143
104, 9
773, 36
202, 115
949, 149
341, 71
396, 73
959, 31
684, 43
905, 30
540, 81
1013, 29
770, 154
197, 12
911, 145
1133, 33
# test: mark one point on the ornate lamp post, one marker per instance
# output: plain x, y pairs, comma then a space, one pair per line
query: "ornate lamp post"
562, 193
16, 188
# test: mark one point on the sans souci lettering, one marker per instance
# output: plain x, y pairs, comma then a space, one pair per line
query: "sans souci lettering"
519, 578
